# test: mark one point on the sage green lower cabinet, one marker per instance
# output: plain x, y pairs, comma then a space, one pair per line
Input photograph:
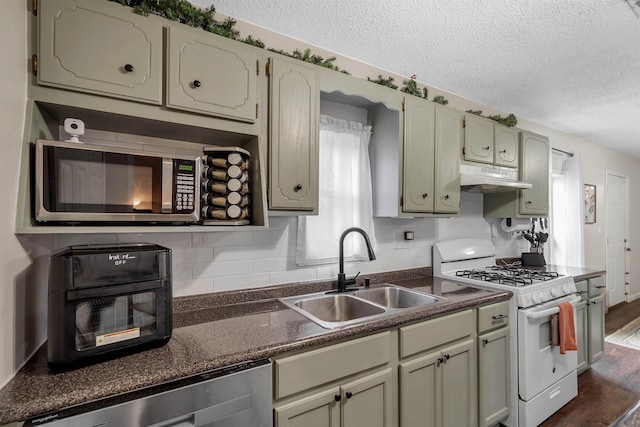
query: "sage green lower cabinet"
493, 376
363, 402
595, 315
582, 336
438, 389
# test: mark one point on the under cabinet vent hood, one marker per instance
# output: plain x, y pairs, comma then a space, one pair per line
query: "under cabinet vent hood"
490, 179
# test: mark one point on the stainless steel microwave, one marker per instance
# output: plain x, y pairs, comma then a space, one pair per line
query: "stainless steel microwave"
77, 182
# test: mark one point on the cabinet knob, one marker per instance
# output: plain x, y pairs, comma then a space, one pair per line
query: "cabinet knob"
446, 197
425, 195
485, 342
503, 151
297, 188
337, 397
196, 83
446, 357
440, 360
486, 148
128, 68
348, 394
529, 202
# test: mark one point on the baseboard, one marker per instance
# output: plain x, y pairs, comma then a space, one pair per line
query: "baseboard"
633, 297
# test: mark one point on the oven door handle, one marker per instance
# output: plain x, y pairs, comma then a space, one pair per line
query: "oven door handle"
550, 311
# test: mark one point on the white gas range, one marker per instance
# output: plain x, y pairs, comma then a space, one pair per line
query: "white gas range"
542, 379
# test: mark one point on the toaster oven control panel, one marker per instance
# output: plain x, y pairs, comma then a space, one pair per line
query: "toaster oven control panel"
184, 178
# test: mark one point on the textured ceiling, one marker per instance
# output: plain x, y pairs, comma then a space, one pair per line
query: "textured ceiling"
571, 65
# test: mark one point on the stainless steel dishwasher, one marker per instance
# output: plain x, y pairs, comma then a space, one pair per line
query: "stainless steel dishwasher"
234, 396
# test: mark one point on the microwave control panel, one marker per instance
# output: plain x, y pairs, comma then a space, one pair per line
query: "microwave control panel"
184, 178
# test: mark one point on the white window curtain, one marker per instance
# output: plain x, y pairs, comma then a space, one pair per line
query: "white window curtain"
345, 198
567, 211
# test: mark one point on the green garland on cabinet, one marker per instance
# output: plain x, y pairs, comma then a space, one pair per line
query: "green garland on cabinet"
184, 12
509, 121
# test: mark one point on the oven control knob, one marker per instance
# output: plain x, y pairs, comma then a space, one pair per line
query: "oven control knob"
566, 289
555, 292
536, 298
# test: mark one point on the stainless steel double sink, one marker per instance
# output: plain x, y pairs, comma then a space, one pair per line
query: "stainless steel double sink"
338, 310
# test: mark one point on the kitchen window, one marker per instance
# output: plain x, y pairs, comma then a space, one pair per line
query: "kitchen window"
345, 196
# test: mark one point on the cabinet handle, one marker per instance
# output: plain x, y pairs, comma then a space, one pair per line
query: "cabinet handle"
446, 197
485, 342
425, 195
337, 397
600, 287
499, 317
529, 202
446, 357
486, 148
297, 188
128, 68
348, 394
503, 151
440, 360
197, 83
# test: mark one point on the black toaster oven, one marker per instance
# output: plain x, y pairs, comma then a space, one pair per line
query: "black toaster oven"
108, 300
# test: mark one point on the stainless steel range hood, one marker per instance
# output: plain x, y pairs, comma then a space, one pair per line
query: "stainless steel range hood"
490, 179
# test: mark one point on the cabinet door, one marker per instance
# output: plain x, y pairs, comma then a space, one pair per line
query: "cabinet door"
582, 336
420, 394
595, 312
448, 140
459, 385
367, 402
493, 376
319, 410
534, 168
506, 146
100, 47
478, 139
419, 117
209, 74
293, 138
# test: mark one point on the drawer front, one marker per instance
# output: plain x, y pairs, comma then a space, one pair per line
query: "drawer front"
493, 316
583, 289
433, 333
307, 370
596, 286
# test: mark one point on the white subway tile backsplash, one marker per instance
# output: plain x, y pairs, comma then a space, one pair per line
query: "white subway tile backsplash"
182, 271
232, 253
183, 288
303, 275
225, 238
223, 268
84, 239
240, 281
192, 256
267, 265
169, 240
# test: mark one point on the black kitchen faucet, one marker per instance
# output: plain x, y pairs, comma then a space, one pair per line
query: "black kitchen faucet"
343, 281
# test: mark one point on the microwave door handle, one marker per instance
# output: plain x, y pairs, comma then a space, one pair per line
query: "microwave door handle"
550, 311
167, 186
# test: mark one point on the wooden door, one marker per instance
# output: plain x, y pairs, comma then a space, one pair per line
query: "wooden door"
367, 402
448, 140
419, 139
212, 75
318, 410
101, 48
293, 138
478, 139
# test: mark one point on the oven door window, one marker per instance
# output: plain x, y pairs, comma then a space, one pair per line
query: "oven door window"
108, 320
94, 181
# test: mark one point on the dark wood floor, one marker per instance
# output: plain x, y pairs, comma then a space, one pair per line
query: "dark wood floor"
612, 386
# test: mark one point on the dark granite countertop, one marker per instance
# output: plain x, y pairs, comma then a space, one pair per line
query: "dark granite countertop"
216, 330
578, 273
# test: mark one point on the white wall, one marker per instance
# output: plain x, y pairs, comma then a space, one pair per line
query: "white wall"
206, 262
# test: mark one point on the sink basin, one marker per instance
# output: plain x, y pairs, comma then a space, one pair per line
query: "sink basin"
338, 310
396, 297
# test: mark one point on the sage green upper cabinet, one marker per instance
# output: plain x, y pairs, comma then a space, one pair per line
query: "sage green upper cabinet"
419, 140
448, 138
505, 145
211, 75
101, 48
534, 168
294, 102
478, 139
